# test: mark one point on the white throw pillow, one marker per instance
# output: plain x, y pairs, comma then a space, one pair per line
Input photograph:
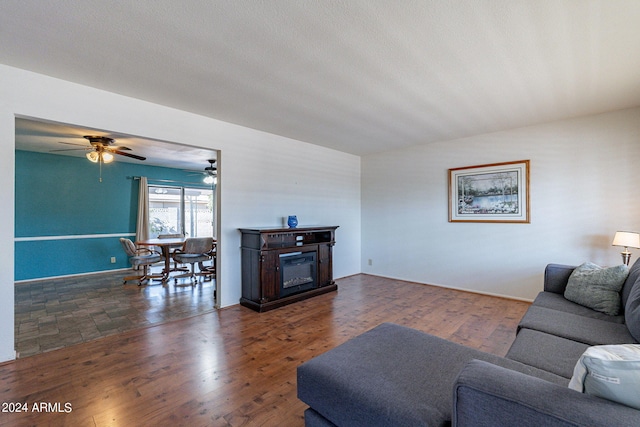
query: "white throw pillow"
611, 372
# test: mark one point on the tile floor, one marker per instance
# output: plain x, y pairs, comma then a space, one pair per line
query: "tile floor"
55, 313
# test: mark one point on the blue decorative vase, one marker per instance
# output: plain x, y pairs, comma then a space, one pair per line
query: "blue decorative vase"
292, 221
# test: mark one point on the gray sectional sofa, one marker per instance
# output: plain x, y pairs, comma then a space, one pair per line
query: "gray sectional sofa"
397, 376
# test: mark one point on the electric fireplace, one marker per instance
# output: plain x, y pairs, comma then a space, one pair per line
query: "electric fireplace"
297, 272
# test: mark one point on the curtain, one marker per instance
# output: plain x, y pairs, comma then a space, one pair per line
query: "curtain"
142, 229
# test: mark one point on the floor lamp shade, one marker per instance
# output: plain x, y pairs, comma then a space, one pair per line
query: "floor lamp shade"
626, 240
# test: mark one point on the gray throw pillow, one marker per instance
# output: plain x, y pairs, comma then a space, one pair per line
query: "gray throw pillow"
596, 287
632, 311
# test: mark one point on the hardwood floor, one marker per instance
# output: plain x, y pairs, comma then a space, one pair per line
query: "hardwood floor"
235, 367
54, 313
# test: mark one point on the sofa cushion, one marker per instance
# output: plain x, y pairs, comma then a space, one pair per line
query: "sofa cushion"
546, 352
596, 287
390, 376
487, 395
558, 302
611, 372
576, 328
632, 278
632, 311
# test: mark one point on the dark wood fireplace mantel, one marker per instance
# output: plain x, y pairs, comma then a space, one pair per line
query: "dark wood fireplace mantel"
262, 251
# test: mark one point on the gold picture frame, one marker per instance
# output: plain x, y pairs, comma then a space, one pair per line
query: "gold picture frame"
496, 192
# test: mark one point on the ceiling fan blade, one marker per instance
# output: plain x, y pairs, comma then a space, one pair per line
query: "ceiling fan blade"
71, 143
133, 156
121, 148
71, 149
211, 170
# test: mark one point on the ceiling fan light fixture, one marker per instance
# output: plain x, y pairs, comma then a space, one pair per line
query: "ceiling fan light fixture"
93, 156
107, 157
209, 179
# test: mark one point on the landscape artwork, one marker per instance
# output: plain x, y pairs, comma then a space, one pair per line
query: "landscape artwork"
497, 192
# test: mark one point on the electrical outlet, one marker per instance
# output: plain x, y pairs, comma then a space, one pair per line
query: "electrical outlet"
113, 260
370, 262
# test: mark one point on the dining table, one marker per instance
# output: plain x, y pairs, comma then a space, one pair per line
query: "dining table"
165, 246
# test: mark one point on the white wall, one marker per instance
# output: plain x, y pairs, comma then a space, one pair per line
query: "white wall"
583, 188
263, 177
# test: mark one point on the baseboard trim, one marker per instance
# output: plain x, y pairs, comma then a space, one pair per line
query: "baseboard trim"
472, 291
89, 273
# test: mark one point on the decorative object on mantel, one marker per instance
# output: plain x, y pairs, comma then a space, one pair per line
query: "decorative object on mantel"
497, 192
627, 240
292, 221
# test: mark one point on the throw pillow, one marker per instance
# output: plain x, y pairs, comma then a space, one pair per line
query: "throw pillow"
632, 311
611, 372
596, 287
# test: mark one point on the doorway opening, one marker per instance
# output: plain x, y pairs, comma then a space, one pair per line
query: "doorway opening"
63, 209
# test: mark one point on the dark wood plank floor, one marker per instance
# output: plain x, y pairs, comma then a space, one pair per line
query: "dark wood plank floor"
235, 367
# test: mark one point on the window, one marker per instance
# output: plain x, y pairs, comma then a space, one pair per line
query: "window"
181, 210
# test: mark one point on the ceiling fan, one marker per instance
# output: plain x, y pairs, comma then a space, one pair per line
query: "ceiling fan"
210, 172
101, 150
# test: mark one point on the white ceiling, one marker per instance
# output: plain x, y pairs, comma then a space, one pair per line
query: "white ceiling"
360, 76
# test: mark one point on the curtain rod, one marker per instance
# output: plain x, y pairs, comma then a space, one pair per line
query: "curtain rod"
202, 184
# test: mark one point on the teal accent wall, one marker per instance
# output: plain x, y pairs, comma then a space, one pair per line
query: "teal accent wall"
39, 259
62, 196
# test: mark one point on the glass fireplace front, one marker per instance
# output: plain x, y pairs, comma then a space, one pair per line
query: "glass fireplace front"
297, 272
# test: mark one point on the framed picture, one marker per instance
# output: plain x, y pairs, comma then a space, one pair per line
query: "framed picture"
497, 192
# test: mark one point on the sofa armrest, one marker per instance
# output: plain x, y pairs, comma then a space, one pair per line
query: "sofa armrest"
489, 395
556, 277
